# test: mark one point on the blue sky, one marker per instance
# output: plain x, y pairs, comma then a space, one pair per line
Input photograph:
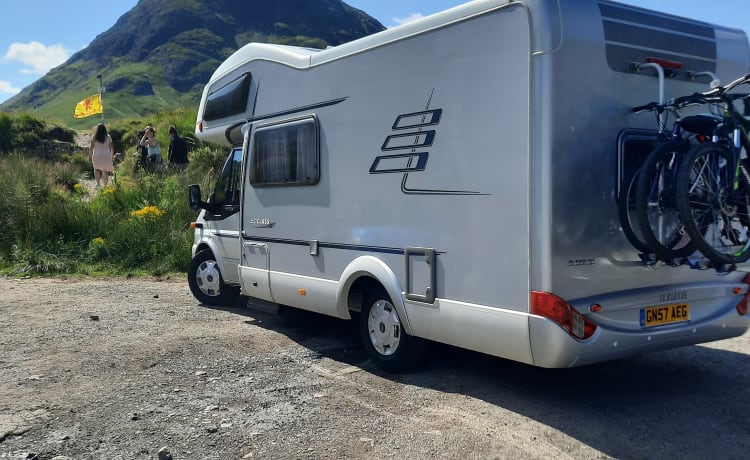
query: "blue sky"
37, 35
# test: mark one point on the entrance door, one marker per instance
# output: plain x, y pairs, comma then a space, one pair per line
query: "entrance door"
254, 275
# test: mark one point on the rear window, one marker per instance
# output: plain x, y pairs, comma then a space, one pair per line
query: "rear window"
230, 99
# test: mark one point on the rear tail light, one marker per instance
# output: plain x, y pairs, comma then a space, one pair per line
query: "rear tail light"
561, 312
666, 63
742, 306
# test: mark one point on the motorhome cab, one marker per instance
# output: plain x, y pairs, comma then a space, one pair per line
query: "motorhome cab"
455, 179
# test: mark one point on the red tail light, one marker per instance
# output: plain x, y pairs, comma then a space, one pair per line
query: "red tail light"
552, 307
666, 63
742, 306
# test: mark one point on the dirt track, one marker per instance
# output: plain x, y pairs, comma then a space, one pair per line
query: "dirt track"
118, 369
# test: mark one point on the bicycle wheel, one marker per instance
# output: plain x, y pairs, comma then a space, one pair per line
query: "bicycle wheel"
656, 208
712, 196
628, 218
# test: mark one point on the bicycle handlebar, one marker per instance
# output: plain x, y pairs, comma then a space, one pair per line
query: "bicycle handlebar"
693, 99
651, 106
719, 94
682, 101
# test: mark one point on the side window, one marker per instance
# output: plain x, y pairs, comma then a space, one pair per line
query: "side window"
230, 99
286, 154
227, 190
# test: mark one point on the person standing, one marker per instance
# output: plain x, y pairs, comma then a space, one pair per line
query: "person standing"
178, 153
149, 141
102, 153
142, 150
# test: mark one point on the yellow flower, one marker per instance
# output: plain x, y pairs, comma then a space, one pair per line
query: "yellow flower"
98, 241
78, 187
147, 212
107, 190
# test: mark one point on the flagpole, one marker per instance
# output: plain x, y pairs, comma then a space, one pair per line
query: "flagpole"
101, 99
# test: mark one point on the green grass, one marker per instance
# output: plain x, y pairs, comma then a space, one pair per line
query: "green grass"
140, 225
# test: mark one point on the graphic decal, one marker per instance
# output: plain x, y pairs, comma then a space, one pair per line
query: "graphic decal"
419, 137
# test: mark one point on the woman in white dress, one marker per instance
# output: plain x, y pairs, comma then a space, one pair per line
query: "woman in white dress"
102, 153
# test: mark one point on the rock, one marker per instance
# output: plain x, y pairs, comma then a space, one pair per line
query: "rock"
164, 454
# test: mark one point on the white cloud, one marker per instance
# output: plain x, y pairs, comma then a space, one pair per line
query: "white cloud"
411, 17
37, 57
8, 88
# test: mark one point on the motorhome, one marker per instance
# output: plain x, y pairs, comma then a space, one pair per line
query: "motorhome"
455, 179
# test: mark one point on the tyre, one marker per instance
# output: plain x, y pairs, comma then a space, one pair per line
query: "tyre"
628, 219
206, 282
714, 203
655, 204
383, 337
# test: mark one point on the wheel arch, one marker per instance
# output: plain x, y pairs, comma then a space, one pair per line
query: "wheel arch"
208, 243
362, 275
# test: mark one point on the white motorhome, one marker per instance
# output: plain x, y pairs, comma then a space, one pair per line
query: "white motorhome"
455, 179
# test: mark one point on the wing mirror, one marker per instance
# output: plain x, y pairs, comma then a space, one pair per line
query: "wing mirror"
194, 198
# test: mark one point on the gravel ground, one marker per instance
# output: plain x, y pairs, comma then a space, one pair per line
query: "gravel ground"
123, 368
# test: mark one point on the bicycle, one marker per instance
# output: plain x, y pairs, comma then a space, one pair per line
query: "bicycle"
713, 185
626, 205
656, 213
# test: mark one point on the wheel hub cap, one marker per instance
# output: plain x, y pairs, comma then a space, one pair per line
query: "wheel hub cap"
384, 327
207, 278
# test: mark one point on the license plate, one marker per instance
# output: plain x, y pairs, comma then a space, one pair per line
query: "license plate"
665, 314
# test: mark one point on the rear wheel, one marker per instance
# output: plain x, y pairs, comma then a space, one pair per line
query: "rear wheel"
206, 282
714, 202
626, 207
383, 337
656, 206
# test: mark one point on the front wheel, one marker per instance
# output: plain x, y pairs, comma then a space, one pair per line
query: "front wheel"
206, 282
383, 337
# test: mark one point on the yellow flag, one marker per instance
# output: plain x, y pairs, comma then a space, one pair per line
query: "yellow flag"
89, 106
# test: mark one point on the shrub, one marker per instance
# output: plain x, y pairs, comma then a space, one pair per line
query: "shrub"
140, 223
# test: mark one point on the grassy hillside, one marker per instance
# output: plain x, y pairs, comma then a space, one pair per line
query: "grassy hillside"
128, 93
162, 52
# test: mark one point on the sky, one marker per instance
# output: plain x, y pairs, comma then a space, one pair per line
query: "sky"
38, 35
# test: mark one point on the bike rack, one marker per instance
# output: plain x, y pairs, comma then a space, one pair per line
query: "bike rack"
715, 82
660, 72
646, 259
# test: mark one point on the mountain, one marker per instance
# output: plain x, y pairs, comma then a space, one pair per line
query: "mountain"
161, 53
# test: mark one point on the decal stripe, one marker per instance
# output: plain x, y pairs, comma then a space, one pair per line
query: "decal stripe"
399, 163
348, 247
297, 110
418, 119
